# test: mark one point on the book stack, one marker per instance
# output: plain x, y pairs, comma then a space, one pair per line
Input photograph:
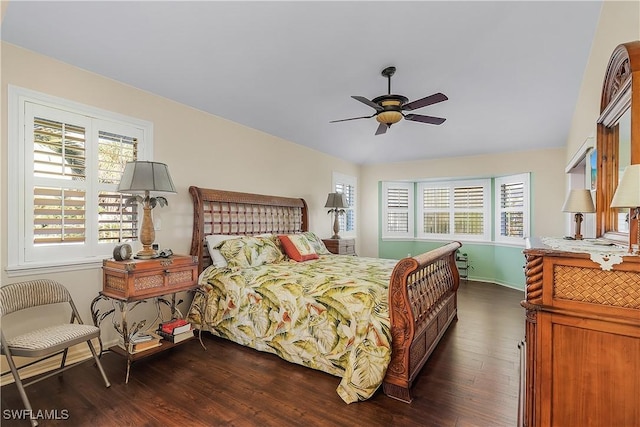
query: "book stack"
175, 330
141, 341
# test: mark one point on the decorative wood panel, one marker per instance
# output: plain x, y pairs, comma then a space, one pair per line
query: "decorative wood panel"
582, 340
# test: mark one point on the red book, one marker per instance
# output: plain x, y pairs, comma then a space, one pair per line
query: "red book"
175, 326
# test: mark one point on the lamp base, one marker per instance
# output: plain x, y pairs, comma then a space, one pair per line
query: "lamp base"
336, 225
147, 254
637, 217
578, 219
147, 233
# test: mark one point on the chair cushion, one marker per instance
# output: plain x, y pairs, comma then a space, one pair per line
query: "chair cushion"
53, 337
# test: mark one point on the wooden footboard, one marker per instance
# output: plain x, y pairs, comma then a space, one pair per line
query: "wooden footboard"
422, 305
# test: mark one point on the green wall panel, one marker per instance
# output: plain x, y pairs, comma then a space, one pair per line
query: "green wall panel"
487, 262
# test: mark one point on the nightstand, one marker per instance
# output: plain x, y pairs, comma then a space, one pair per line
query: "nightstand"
137, 279
341, 246
130, 283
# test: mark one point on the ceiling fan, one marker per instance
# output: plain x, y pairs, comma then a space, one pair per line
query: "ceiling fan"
389, 108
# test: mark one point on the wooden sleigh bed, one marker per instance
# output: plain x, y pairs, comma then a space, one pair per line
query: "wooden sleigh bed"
422, 299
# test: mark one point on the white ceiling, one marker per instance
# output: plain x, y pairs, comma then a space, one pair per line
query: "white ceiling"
511, 69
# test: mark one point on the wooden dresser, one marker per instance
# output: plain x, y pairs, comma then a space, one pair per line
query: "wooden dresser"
582, 336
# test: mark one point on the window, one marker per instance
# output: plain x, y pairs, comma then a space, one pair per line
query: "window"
397, 209
346, 185
454, 210
458, 210
512, 208
65, 164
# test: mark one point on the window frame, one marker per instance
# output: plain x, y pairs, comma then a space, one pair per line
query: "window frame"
492, 210
410, 187
452, 185
340, 179
526, 208
20, 175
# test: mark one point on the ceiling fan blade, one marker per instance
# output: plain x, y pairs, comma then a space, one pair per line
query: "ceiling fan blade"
369, 103
428, 100
425, 119
382, 128
352, 118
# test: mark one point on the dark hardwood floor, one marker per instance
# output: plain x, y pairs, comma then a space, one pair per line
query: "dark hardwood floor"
470, 380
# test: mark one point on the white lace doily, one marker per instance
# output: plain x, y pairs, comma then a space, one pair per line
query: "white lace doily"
602, 252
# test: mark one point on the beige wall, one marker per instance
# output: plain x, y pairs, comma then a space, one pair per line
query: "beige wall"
199, 148
619, 23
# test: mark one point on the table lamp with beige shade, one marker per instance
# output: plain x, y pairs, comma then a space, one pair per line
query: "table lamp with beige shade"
579, 202
628, 196
337, 202
146, 177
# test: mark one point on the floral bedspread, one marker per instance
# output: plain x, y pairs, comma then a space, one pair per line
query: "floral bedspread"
329, 314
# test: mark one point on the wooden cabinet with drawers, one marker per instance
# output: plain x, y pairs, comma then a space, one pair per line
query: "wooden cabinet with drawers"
144, 278
341, 246
582, 339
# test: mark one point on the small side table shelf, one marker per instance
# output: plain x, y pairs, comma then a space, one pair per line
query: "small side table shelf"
130, 283
341, 246
462, 262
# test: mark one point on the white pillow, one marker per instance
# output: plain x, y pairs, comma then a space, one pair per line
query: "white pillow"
213, 244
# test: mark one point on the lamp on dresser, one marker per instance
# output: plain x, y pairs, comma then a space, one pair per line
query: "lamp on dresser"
628, 196
337, 202
146, 177
579, 202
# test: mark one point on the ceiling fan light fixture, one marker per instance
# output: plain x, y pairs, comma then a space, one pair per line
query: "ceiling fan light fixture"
389, 117
389, 108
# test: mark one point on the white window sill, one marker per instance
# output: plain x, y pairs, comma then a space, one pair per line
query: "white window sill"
61, 266
518, 244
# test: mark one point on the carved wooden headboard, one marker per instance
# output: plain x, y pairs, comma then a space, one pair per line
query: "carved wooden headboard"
229, 212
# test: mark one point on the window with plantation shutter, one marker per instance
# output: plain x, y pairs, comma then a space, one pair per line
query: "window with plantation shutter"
58, 190
116, 221
512, 208
469, 210
397, 210
454, 210
436, 216
66, 161
346, 185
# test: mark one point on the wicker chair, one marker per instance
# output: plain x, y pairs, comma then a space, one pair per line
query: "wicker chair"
46, 342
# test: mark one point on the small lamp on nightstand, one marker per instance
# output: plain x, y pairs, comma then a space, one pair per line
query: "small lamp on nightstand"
145, 177
579, 202
337, 202
628, 196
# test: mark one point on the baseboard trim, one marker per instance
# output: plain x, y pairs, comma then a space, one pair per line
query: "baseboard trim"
495, 282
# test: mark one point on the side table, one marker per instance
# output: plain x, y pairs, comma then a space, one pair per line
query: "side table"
341, 246
462, 262
133, 282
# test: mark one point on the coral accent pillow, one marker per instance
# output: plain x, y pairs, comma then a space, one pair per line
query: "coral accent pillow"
297, 247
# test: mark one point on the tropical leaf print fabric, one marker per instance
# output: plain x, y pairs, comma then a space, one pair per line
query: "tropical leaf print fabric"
248, 251
329, 314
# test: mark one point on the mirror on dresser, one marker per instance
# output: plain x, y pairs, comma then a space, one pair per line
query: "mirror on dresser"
618, 143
